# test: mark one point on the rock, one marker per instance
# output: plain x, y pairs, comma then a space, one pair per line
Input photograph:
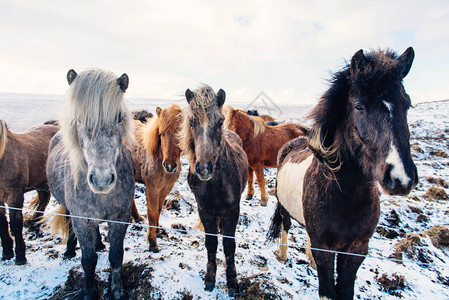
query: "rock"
435, 193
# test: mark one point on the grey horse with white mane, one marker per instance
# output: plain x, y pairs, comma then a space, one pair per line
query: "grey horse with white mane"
90, 170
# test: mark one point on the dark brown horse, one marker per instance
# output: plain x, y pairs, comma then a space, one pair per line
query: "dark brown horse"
22, 168
156, 157
217, 175
329, 182
142, 115
261, 144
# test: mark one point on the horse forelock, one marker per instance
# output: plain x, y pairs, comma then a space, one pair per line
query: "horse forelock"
169, 122
378, 66
94, 100
3, 137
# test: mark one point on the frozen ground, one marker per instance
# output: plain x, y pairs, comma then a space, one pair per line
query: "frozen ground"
177, 271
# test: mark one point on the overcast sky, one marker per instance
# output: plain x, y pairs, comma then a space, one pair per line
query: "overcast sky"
285, 48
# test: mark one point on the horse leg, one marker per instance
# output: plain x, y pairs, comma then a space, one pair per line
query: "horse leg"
325, 267
85, 231
153, 218
162, 196
44, 197
250, 193
116, 236
7, 242
210, 226
71, 241
99, 246
261, 182
347, 266
16, 226
282, 255
228, 226
135, 213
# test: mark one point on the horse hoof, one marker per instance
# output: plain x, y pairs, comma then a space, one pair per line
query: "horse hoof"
153, 249
263, 202
233, 288
281, 260
100, 247
21, 261
249, 197
209, 287
69, 255
7, 256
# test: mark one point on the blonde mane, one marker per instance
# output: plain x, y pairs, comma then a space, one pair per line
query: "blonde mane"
3, 137
94, 100
259, 124
228, 112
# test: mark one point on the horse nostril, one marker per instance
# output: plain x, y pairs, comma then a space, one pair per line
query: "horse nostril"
388, 181
175, 165
112, 179
209, 167
91, 179
163, 164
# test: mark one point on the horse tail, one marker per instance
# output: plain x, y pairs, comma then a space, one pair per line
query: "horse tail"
279, 220
3, 137
59, 223
34, 203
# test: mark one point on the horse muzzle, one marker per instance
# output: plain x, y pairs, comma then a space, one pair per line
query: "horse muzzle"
204, 170
170, 168
399, 183
101, 180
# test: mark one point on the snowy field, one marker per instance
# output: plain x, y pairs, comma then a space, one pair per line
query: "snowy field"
177, 271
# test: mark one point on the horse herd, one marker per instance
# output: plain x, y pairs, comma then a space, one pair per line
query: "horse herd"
329, 174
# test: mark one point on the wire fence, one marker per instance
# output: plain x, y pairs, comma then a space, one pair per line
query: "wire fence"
255, 241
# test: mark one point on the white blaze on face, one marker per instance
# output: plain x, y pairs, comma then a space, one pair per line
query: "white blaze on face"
290, 186
398, 171
389, 107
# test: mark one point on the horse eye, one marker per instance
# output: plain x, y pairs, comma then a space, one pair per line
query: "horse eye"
220, 123
119, 118
359, 107
192, 123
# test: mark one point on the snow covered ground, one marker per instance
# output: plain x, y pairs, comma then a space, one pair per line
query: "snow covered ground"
177, 271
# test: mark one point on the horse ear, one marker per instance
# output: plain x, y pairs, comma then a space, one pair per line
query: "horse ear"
158, 111
189, 95
221, 97
123, 82
71, 75
406, 60
357, 61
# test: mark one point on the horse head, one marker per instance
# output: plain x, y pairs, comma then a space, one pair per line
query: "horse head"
378, 107
96, 123
204, 123
169, 126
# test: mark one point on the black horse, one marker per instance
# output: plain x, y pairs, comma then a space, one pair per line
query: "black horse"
217, 175
329, 182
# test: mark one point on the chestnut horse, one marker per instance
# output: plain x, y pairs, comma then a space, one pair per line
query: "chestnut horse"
329, 182
22, 168
261, 144
217, 176
156, 157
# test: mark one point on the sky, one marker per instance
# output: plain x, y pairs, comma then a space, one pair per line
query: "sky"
285, 48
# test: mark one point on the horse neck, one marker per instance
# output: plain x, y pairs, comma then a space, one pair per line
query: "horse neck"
245, 129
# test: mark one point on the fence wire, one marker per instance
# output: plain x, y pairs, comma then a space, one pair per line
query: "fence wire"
255, 241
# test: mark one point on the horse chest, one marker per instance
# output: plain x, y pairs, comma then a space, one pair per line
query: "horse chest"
290, 187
